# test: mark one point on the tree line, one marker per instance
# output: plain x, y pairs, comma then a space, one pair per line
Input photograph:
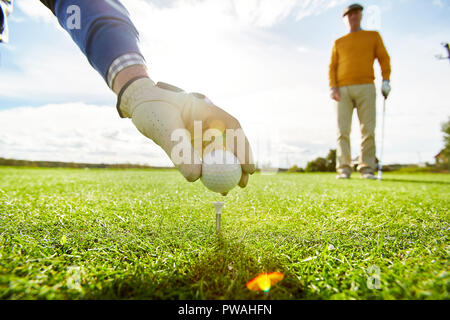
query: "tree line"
58, 164
328, 163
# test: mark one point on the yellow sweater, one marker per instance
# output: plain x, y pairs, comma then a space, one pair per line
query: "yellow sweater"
353, 57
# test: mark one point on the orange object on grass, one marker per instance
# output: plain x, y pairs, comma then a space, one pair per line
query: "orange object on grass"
264, 281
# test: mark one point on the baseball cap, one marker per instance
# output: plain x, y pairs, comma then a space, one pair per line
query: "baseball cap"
355, 6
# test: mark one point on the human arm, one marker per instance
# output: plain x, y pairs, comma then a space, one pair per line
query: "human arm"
332, 74
385, 64
109, 40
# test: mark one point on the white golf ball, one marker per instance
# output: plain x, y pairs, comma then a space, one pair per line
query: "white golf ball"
221, 171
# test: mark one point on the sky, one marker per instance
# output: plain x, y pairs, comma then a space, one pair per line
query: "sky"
263, 61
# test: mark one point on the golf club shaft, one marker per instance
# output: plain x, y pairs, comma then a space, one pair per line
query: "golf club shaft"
380, 161
218, 218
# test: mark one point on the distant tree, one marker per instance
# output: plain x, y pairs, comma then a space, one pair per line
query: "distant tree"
320, 164
295, 168
331, 159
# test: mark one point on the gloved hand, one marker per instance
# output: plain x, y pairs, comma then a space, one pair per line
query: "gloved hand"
157, 111
335, 94
386, 88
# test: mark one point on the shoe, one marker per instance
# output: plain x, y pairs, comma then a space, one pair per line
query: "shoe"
343, 175
368, 176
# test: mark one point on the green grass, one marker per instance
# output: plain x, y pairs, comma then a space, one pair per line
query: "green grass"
143, 234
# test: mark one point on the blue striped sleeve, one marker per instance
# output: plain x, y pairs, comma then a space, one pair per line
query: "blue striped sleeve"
102, 29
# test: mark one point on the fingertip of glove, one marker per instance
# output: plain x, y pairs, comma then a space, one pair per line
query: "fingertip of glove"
249, 168
244, 180
191, 172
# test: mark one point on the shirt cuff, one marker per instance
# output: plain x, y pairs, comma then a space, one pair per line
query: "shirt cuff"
122, 62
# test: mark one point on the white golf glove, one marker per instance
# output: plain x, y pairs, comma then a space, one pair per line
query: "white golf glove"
386, 88
158, 110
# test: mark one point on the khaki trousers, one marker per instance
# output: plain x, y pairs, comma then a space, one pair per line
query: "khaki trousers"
363, 98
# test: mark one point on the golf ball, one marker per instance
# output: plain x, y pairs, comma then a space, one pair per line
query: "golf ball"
221, 171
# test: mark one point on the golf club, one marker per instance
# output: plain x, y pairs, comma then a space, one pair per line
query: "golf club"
380, 162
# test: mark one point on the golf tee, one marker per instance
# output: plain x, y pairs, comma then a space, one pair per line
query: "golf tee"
218, 206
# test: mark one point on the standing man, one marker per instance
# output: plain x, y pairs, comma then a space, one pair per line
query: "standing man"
352, 86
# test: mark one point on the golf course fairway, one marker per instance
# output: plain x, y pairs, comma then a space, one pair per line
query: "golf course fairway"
148, 234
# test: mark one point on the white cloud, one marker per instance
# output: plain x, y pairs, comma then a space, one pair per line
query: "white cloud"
53, 73
303, 49
35, 10
184, 42
438, 3
95, 134
257, 13
49, 69
224, 60
267, 13
263, 13
75, 132
316, 7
